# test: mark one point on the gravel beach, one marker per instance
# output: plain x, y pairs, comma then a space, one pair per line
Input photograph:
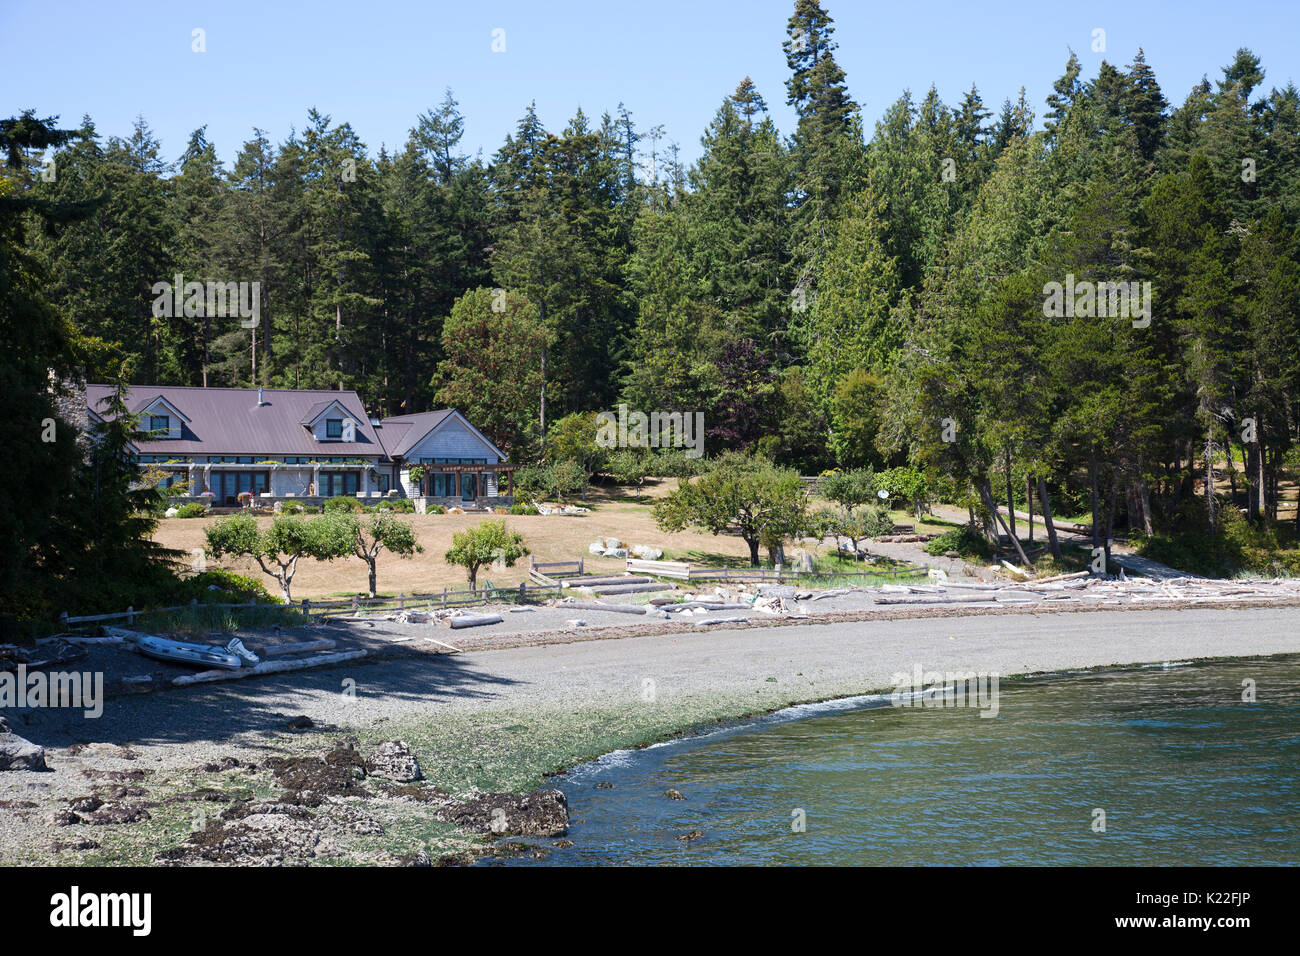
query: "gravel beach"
499, 721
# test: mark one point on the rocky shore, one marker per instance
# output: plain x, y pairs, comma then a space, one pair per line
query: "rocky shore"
441, 758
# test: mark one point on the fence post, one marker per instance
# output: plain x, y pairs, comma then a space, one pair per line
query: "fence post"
523, 591
401, 601
724, 573
444, 595
130, 615
306, 607
580, 566
356, 603
63, 621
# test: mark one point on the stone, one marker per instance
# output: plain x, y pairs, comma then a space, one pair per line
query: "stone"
169, 513
647, 553
596, 547
543, 813
776, 590
612, 544
616, 553
18, 753
393, 760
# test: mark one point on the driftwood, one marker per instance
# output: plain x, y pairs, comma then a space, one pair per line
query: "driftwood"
601, 606
635, 588
268, 667
474, 620
596, 582
305, 647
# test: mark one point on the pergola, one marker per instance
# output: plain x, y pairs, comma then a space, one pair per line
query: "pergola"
458, 470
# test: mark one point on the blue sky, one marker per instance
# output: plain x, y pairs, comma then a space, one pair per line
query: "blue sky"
378, 64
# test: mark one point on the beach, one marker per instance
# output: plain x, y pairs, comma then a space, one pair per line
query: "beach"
499, 721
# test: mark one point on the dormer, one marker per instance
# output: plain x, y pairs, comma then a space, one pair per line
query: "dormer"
331, 422
162, 420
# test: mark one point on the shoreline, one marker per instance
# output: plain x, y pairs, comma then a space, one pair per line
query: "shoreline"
505, 721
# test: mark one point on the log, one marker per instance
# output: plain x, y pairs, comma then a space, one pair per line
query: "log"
304, 647
474, 620
636, 588
595, 582
601, 606
268, 667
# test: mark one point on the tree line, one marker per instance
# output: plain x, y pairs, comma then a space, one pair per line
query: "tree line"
837, 295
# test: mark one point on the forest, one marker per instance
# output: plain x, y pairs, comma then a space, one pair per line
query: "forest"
835, 296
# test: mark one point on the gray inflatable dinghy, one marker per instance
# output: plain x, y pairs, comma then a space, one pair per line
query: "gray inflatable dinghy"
197, 655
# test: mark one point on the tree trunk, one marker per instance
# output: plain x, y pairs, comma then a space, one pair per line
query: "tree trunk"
1254, 480
1209, 479
473, 578
1092, 491
986, 493
753, 551
1145, 492
1110, 519
371, 562
1029, 505
1011, 498
1052, 541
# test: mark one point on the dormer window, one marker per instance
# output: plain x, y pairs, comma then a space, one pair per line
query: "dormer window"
160, 423
334, 428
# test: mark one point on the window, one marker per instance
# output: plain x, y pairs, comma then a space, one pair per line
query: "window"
383, 483
333, 428
160, 423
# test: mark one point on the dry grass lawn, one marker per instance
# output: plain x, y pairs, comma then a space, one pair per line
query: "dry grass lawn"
549, 537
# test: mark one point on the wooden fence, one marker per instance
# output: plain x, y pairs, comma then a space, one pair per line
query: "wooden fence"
551, 574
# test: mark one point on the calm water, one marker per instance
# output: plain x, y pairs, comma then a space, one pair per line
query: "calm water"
1185, 771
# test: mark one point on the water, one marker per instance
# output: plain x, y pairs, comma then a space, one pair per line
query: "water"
1186, 772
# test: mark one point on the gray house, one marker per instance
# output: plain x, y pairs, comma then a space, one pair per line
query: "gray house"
272, 444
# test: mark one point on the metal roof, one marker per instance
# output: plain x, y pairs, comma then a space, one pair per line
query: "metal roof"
228, 421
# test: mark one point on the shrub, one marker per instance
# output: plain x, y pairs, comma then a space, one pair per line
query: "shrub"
402, 505
967, 541
191, 510
240, 586
435, 510
344, 503
293, 508
524, 510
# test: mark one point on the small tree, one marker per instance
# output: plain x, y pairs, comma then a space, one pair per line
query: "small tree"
573, 438
283, 543
848, 489
759, 501
629, 468
484, 544
567, 478
379, 532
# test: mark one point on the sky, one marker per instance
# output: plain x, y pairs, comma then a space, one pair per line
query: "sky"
377, 64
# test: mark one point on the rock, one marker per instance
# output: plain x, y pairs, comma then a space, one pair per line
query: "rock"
596, 547
543, 813
576, 622
169, 513
691, 836
674, 794
616, 553
18, 753
418, 858
647, 553
611, 544
393, 760
776, 590
301, 722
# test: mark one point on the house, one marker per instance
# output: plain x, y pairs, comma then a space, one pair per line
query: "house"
276, 444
